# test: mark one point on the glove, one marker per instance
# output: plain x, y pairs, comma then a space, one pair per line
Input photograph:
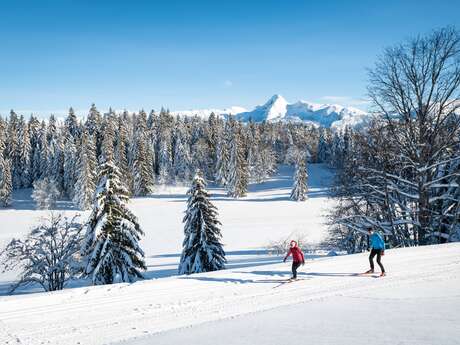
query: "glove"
284, 260
303, 263
383, 253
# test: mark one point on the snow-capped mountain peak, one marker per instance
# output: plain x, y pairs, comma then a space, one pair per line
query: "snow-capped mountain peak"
278, 109
326, 115
274, 109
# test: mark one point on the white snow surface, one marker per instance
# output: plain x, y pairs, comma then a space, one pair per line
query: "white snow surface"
245, 226
249, 302
417, 303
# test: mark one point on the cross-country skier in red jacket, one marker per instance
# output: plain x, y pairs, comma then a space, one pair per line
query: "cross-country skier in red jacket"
297, 258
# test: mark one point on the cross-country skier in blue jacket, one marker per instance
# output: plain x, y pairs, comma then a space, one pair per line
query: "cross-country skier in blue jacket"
377, 248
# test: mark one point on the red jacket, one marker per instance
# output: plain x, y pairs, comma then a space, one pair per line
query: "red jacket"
297, 255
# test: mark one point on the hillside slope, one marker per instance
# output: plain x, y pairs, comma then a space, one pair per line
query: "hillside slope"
417, 303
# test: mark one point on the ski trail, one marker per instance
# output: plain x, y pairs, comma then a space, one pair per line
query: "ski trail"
9, 338
105, 314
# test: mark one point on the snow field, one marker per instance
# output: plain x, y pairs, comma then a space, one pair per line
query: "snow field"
249, 224
249, 302
123, 312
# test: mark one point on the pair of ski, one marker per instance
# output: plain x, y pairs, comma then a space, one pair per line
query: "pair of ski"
372, 274
290, 280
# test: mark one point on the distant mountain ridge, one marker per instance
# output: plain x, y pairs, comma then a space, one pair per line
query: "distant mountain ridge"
278, 109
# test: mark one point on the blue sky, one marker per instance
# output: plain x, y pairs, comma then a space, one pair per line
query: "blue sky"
198, 54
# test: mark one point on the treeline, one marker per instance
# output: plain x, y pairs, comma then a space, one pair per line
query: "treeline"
60, 159
402, 174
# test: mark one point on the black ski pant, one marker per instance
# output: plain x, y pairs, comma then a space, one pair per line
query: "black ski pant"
295, 266
375, 252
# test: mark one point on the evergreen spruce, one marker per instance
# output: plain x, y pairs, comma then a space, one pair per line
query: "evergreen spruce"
5, 171
237, 185
202, 249
93, 126
111, 248
108, 138
85, 174
6, 186
164, 146
13, 150
24, 154
71, 124
142, 165
182, 159
41, 154
223, 157
121, 154
55, 155
300, 189
70, 164
34, 134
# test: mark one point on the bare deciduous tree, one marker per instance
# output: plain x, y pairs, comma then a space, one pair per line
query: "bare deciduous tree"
48, 255
403, 175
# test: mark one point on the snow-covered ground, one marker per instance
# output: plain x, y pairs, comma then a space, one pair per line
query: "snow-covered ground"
249, 302
417, 303
248, 224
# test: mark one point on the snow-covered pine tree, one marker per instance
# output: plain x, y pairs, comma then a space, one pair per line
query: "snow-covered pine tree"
93, 126
111, 250
108, 137
121, 153
142, 164
6, 186
85, 173
41, 154
34, 134
324, 147
24, 154
182, 159
5, 171
300, 188
253, 154
237, 185
223, 156
200, 160
70, 164
212, 130
71, 123
45, 194
202, 249
12, 149
164, 146
265, 164
55, 151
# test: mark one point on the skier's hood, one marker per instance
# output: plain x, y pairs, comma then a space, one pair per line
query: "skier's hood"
295, 243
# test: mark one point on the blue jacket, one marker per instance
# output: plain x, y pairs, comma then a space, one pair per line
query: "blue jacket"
377, 241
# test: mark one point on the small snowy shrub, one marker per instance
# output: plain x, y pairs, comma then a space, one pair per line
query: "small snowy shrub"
45, 194
48, 255
281, 246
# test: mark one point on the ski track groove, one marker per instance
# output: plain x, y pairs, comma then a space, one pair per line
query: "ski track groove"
138, 307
